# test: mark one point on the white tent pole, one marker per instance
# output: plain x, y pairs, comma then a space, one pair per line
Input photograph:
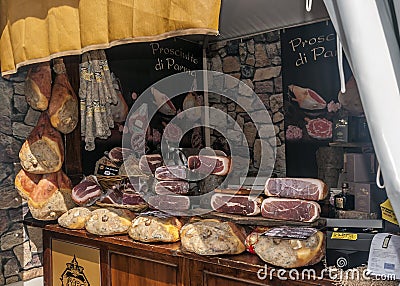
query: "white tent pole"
366, 32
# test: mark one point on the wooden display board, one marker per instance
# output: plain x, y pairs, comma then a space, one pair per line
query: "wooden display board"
74, 265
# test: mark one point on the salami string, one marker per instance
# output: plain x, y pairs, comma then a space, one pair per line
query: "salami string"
96, 95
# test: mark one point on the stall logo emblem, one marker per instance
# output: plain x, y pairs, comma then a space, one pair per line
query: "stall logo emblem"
73, 275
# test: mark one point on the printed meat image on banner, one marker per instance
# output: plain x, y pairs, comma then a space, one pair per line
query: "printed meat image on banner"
311, 86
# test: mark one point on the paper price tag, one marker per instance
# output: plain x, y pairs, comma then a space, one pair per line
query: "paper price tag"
107, 170
291, 232
344, 236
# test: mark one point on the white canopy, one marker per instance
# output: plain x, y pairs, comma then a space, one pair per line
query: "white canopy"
368, 30
243, 18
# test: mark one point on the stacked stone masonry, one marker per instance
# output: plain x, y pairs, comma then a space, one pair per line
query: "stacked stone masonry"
21, 246
256, 62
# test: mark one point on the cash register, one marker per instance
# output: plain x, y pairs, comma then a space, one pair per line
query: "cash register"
348, 241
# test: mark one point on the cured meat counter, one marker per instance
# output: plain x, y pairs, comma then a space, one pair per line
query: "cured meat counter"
126, 262
198, 231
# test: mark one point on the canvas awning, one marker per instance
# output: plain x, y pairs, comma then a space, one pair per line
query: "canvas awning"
36, 32
52, 28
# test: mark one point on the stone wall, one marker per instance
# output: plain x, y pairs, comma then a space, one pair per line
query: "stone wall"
257, 62
20, 245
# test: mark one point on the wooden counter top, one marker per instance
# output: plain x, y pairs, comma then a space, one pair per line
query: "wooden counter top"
242, 268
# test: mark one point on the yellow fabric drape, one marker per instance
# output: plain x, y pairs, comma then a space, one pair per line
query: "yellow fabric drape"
35, 31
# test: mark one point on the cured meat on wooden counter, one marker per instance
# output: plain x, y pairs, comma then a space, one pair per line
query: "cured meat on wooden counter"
296, 188
132, 198
171, 173
169, 202
204, 164
213, 237
236, 204
106, 222
126, 196
149, 163
290, 209
172, 187
75, 218
43, 150
87, 191
155, 229
291, 253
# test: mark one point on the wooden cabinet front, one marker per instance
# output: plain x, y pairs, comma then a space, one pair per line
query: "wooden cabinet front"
142, 271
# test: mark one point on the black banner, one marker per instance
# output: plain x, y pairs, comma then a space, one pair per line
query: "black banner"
311, 85
140, 65
137, 67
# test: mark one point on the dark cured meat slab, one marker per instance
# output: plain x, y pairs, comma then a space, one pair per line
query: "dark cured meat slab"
290, 209
169, 202
132, 198
296, 188
172, 187
117, 154
217, 165
236, 204
149, 163
125, 194
113, 197
171, 173
86, 192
